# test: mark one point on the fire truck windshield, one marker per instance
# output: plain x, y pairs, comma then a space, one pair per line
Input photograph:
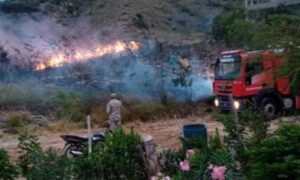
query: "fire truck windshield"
228, 68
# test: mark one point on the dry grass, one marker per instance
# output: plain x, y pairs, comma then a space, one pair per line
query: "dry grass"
2, 135
59, 127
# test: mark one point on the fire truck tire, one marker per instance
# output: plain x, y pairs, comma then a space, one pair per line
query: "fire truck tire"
270, 107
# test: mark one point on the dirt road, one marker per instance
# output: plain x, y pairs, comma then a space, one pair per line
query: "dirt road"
165, 132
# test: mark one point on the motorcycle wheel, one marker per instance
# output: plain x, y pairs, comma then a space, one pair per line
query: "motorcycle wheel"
70, 149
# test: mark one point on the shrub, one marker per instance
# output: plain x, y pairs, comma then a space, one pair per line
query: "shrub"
256, 124
194, 143
38, 164
278, 157
99, 116
228, 121
250, 131
72, 108
19, 120
20, 123
199, 165
205, 159
169, 161
119, 157
7, 170
147, 110
122, 156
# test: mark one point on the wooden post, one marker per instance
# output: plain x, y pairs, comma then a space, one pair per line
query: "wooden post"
151, 158
88, 118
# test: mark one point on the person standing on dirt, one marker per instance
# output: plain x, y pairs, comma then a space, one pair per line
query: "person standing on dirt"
113, 109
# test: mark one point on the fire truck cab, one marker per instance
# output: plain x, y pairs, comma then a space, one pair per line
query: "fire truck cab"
251, 79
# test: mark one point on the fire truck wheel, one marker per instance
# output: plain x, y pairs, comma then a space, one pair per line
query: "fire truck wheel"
269, 107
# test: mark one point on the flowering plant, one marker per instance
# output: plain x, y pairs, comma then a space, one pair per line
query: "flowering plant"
189, 153
185, 165
218, 172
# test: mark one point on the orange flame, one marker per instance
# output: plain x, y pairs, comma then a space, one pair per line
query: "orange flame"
82, 55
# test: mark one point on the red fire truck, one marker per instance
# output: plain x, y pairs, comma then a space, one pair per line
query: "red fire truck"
251, 80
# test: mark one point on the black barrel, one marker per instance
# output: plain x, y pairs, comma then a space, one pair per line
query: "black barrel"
194, 131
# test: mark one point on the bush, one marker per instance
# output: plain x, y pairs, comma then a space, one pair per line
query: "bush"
37, 164
199, 158
99, 116
72, 107
17, 121
256, 124
194, 143
20, 123
119, 157
147, 110
122, 158
169, 161
7, 170
278, 157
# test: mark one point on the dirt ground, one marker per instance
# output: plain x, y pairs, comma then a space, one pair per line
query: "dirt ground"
166, 133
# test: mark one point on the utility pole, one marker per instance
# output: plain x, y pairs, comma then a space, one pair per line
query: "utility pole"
246, 9
88, 118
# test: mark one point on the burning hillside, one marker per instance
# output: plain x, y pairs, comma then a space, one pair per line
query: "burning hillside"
98, 53
82, 55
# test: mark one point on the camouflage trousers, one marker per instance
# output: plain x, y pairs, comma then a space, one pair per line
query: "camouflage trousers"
114, 124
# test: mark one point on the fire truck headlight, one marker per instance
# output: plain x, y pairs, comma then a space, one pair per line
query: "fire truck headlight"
236, 105
216, 102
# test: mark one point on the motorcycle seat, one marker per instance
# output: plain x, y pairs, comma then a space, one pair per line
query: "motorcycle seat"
75, 139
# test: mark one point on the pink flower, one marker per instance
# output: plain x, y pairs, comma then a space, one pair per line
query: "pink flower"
167, 178
154, 178
218, 173
184, 165
189, 153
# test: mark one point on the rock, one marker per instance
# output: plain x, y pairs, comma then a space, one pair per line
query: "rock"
39, 119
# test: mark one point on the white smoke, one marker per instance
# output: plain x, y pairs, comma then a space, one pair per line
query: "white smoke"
29, 39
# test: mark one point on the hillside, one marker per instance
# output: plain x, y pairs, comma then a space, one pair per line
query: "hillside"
170, 21
35, 34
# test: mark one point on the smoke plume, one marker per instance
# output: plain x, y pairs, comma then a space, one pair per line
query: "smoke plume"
143, 74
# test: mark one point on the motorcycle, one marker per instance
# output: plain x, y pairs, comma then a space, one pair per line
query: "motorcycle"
75, 144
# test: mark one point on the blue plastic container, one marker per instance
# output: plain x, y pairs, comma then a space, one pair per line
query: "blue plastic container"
194, 130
